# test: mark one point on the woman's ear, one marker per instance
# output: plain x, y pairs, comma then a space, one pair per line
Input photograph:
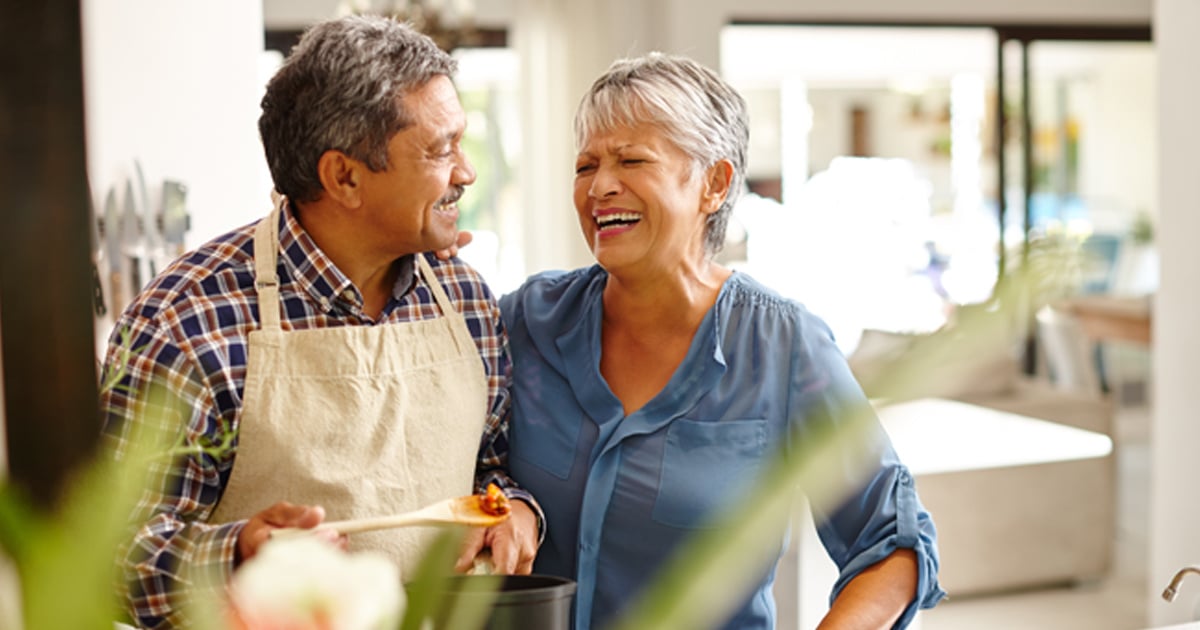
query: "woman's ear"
718, 177
341, 177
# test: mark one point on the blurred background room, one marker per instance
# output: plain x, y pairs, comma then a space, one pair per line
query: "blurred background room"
906, 157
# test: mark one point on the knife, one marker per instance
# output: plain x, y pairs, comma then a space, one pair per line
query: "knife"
175, 219
131, 239
111, 232
96, 223
151, 226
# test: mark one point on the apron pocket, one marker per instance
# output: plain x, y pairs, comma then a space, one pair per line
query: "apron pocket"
705, 466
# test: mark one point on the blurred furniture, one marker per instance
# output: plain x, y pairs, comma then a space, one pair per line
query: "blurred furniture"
1112, 318
1017, 470
1066, 353
1067, 393
1018, 501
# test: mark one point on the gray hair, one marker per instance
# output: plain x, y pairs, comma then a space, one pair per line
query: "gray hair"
696, 110
341, 89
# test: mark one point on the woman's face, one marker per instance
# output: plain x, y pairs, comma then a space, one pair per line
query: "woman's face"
642, 205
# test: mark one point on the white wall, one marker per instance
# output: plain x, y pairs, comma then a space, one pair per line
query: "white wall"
175, 85
1123, 83
1175, 438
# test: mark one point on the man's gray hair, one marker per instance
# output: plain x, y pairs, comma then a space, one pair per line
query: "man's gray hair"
341, 89
696, 110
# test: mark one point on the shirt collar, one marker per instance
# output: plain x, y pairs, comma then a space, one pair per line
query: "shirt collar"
316, 275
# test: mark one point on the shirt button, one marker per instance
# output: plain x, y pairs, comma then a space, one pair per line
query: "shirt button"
325, 303
348, 295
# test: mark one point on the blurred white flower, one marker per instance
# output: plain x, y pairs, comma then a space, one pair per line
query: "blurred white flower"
304, 583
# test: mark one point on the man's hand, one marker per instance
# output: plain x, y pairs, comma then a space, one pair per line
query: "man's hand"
513, 542
464, 239
283, 514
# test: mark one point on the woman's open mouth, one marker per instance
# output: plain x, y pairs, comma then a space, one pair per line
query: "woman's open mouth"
611, 223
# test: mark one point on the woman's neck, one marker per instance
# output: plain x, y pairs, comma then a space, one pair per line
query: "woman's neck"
649, 324
675, 301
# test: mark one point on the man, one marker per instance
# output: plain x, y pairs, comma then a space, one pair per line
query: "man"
356, 372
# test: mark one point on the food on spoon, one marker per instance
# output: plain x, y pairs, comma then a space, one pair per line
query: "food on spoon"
493, 502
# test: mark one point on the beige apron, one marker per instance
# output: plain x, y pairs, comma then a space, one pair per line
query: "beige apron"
362, 420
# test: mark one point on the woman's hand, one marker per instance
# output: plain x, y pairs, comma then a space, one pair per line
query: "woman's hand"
464, 239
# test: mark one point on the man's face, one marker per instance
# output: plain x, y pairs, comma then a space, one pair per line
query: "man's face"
412, 206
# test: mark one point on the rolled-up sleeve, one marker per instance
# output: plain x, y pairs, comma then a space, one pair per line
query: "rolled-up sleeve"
881, 511
887, 515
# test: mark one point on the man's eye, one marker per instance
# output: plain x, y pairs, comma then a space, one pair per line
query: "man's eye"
633, 161
583, 168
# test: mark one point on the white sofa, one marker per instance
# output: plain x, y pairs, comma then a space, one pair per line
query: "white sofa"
998, 462
1018, 502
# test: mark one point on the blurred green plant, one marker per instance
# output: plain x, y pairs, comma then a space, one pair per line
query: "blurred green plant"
1054, 265
1142, 230
69, 554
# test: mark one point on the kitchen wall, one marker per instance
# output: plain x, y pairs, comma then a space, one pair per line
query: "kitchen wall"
1175, 435
175, 86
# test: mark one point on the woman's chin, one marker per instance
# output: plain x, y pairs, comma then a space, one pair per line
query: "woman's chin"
612, 258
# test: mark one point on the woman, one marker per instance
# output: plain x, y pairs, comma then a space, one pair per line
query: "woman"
650, 388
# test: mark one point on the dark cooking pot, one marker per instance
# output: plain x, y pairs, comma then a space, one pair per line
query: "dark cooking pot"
522, 602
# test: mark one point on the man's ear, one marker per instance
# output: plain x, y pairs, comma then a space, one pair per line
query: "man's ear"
717, 179
341, 177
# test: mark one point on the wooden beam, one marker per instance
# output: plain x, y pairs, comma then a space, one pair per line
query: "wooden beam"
45, 260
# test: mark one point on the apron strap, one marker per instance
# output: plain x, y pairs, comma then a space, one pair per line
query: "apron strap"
462, 336
266, 279
436, 287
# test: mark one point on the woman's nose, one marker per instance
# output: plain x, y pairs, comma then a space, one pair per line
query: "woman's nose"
604, 183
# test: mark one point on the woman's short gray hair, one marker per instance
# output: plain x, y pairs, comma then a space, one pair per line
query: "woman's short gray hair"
696, 110
341, 89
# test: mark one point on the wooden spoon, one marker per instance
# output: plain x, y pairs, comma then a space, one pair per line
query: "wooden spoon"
464, 510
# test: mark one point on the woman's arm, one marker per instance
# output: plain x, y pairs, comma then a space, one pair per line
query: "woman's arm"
876, 597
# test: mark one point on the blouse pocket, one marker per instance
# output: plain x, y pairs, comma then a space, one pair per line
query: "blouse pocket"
706, 466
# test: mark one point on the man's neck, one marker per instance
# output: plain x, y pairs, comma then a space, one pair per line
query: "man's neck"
374, 275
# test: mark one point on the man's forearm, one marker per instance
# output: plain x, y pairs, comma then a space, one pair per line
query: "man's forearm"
876, 597
168, 564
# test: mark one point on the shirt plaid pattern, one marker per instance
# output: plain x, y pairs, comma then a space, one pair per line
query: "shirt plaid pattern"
186, 335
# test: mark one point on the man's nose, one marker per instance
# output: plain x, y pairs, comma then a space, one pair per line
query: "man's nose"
464, 172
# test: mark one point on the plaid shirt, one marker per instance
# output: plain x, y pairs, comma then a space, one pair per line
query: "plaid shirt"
189, 330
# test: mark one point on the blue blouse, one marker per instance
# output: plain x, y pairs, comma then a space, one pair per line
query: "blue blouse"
621, 492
